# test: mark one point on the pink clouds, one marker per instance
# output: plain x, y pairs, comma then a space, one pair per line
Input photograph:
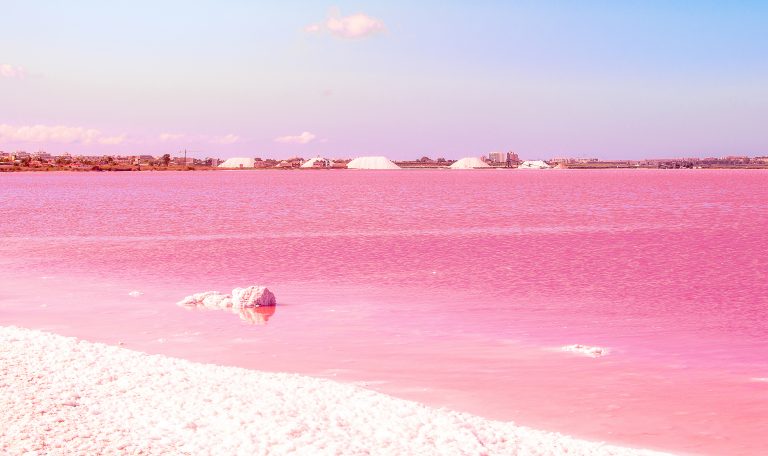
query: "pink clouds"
354, 26
56, 134
304, 138
8, 71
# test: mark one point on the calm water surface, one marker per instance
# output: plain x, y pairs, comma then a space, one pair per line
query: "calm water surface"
454, 288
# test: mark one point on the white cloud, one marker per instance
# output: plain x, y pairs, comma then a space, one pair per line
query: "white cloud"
228, 139
8, 71
55, 134
304, 138
170, 136
112, 140
353, 26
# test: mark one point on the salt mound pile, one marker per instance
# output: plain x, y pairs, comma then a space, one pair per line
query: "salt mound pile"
74, 397
241, 298
237, 162
586, 350
469, 163
315, 162
534, 164
371, 163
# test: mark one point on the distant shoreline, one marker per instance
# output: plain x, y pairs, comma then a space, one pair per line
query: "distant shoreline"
118, 168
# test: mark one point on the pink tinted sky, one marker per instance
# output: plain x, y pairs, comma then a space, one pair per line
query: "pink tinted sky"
303, 78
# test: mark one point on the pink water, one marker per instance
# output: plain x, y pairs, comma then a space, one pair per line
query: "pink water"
454, 288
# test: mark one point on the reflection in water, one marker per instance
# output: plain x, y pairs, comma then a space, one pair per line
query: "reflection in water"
254, 304
256, 315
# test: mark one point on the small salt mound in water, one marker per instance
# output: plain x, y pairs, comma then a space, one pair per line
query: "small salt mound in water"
586, 350
135, 294
241, 298
253, 304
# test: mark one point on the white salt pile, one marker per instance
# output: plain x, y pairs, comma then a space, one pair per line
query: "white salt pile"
135, 293
63, 396
237, 162
586, 350
371, 163
469, 163
534, 164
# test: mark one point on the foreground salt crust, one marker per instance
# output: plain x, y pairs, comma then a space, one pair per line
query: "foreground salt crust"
64, 396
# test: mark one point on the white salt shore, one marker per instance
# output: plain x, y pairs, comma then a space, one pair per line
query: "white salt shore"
64, 396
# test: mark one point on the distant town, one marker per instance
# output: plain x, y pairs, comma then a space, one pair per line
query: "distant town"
43, 161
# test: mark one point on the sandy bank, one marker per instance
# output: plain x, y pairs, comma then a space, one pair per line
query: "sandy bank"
64, 396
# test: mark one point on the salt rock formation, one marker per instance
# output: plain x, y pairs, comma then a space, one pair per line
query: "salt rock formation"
253, 296
207, 299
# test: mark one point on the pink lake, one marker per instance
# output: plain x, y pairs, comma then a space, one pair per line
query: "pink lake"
453, 288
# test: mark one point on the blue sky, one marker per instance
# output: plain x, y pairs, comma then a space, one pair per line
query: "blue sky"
453, 79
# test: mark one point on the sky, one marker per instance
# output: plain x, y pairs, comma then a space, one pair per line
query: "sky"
606, 79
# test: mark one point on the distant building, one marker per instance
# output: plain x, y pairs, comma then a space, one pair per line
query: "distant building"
317, 162
189, 161
497, 157
42, 156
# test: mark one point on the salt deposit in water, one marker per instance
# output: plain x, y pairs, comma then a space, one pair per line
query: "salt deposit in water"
252, 296
586, 350
252, 304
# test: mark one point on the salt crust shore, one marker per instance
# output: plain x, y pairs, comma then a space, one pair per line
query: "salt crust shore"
64, 396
